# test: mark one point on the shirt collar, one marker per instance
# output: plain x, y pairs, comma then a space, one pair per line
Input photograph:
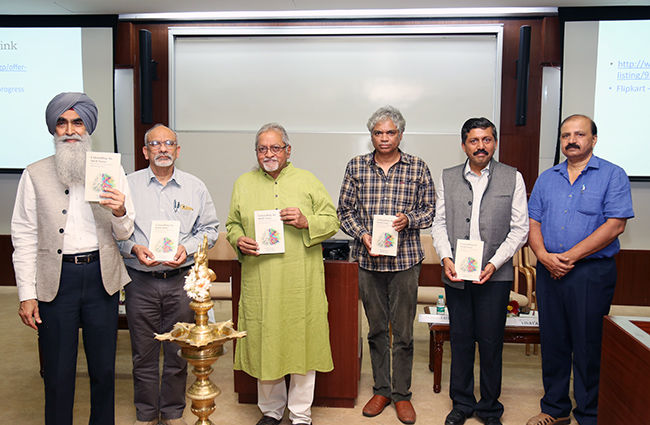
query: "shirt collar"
174, 178
594, 162
287, 169
403, 157
468, 169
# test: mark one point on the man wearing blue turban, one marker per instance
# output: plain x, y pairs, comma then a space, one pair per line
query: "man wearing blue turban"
68, 266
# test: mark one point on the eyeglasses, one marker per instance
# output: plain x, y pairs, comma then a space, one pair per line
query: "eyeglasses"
262, 150
390, 133
156, 144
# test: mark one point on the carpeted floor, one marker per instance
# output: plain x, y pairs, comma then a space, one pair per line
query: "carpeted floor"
22, 400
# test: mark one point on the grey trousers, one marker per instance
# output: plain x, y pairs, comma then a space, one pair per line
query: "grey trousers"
154, 306
390, 297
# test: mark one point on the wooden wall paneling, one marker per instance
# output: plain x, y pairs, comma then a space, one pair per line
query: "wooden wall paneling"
431, 275
633, 267
631, 286
512, 152
519, 145
222, 268
7, 277
125, 46
159, 54
551, 42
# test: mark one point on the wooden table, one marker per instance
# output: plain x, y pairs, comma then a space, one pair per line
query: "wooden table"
624, 371
439, 333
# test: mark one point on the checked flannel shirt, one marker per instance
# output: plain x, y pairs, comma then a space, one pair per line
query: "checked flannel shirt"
367, 190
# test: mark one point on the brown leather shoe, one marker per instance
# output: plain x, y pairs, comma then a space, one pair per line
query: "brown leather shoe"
405, 412
375, 406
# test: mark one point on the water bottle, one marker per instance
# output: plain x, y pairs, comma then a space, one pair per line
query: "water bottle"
440, 305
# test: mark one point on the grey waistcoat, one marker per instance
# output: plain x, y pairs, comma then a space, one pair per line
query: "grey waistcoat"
52, 203
495, 213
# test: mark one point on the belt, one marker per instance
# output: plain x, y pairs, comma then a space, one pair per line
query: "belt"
167, 273
589, 260
83, 258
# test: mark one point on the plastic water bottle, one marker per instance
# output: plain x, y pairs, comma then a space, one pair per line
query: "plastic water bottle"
440, 305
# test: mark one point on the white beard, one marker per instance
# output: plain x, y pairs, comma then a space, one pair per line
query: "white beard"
70, 158
163, 160
271, 166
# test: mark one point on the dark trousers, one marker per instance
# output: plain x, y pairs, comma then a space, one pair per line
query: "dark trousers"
154, 306
477, 314
390, 297
81, 301
571, 312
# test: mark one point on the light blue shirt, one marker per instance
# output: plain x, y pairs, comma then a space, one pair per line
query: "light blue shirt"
568, 213
184, 198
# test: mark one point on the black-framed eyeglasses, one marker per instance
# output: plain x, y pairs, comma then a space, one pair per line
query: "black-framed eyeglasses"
155, 144
275, 149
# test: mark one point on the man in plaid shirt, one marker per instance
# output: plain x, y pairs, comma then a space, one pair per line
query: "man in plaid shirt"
390, 182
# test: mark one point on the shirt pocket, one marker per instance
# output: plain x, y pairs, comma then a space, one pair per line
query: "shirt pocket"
406, 198
589, 204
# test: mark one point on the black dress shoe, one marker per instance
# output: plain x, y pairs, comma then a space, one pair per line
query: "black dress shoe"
456, 417
267, 420
492, 420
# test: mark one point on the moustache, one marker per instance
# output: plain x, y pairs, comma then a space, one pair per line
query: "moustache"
572, 146
480, 151
66, 137
163, 155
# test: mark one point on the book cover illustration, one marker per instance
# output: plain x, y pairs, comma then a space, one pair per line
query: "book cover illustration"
269, 232
163, 239
469, 259
102, 170
384, 235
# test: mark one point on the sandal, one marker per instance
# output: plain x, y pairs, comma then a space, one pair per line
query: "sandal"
544, 419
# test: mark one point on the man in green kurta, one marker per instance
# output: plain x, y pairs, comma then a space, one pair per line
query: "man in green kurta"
283, 306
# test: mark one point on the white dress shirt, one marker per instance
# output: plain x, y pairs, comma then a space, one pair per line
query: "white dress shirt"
518, 219
80, 231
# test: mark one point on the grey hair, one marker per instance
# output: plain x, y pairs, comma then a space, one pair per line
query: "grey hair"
387, 113
146, 135
273, 126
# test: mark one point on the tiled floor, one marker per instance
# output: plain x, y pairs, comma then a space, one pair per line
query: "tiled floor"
21, 388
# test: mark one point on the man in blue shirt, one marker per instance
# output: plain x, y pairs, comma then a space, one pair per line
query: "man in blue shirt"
577, 211
155, 299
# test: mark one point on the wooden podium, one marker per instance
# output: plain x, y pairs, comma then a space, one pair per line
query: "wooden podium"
338, 388
624, 371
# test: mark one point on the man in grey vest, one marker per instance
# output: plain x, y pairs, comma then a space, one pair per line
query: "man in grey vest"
68, 267
480, 200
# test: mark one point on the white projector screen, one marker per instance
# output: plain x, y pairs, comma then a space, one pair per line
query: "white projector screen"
39, 63
606, 75
606, 54
322, 88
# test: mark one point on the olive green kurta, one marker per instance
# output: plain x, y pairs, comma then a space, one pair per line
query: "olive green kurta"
283, 306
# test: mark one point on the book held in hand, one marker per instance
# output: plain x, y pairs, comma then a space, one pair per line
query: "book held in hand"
102, 170
269, 232
384, 235
469, 259
163, 239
